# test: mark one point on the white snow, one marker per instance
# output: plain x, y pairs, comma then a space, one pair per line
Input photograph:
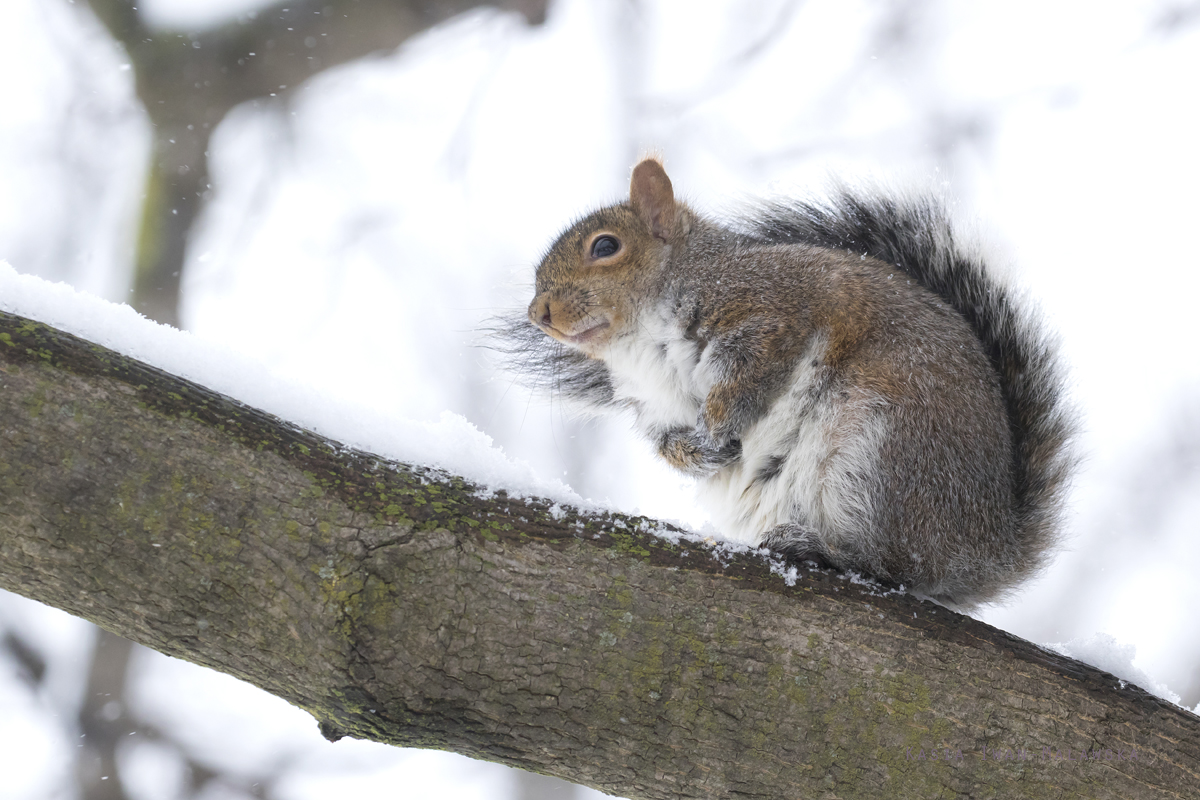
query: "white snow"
413, 183
1103, 651
452, 443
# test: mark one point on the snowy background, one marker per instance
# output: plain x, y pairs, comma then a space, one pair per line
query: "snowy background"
364, 226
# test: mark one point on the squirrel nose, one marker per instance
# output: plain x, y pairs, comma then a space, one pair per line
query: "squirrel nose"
539, 313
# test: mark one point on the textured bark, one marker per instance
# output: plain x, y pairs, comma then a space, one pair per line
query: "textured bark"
402, 604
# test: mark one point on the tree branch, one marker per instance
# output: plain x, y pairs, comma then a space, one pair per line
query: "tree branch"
405, 605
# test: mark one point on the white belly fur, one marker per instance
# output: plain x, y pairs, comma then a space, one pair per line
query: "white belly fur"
656, 372
829, 448
830, 451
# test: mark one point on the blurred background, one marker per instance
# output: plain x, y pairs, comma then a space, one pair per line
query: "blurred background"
349, 189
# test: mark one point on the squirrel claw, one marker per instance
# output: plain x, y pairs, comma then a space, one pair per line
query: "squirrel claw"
693, 451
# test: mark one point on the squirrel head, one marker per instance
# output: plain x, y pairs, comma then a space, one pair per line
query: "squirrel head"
589, 284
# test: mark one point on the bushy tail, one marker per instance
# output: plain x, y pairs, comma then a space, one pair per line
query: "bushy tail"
916, 235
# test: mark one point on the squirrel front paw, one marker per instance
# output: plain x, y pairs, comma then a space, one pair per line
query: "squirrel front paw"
693, 450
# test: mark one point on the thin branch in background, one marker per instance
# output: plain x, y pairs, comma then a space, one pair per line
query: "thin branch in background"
1174, 19
532, 786
111, 727
188, 82
727, 75
456, 154
104, 720
30, 663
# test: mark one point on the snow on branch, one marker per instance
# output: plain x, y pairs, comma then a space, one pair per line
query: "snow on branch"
403, 603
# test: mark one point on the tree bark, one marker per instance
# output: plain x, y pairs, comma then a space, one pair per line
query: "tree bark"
402, 604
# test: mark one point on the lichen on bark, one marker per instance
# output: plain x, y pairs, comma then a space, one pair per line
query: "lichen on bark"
399, 603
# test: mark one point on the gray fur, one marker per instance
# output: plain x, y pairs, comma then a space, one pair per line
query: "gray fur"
846, 380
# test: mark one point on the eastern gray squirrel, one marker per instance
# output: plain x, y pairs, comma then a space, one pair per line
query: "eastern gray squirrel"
848, 383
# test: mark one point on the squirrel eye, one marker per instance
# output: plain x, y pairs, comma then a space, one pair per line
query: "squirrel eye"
605, 246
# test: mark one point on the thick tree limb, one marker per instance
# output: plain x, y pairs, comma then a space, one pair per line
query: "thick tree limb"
404, 605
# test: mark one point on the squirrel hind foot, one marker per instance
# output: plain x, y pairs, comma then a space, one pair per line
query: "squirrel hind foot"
799, 544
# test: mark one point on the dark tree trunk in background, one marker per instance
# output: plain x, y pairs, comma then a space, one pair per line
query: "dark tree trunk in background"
405, 605
103, 720
188, 82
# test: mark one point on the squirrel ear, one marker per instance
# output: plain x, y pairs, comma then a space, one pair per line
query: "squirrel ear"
653, 199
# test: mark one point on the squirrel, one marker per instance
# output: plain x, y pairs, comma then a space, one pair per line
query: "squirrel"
847, 382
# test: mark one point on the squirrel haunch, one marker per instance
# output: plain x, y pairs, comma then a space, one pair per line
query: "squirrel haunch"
847, 382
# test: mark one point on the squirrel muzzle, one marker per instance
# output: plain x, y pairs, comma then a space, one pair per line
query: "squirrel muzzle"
568, 319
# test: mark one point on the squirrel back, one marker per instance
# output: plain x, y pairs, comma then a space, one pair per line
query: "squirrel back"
845, 378
916, 234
